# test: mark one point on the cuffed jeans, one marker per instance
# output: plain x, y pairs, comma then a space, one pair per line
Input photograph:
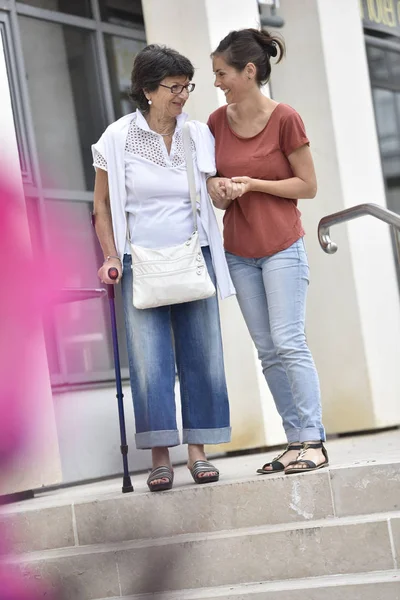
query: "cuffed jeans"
193, 330
271, 292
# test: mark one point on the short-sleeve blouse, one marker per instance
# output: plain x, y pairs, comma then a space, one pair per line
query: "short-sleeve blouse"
158, 200
259, 224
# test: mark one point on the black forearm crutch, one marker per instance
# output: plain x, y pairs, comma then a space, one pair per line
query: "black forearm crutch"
127, 483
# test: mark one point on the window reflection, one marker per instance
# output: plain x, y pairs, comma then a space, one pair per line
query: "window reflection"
65, 100
83, 327
23, 152
387, 114
394, 66
36, 235
386, 119
127, 13
384, 68
377, 64
80, 8
120, 55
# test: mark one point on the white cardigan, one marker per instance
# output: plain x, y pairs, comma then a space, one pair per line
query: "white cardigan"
111, 146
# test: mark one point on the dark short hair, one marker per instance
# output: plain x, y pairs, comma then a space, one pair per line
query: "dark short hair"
251, 46
151, 66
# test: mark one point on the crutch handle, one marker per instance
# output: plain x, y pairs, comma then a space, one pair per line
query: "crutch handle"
113, 273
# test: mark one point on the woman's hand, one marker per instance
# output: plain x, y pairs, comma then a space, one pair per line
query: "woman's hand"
246, 183
222, 191
303, 183
216, 189
111, 263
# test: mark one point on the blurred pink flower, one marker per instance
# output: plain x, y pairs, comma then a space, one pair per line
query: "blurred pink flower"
27, 287
19, 306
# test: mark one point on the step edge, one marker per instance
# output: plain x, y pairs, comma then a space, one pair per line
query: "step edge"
11, 509
249, 589
106, 547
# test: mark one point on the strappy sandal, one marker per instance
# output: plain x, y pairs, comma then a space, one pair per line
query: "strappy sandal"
203, 466
275, 463
311, 466
160, 473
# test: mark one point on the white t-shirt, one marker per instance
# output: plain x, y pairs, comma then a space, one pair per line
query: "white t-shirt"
158, 200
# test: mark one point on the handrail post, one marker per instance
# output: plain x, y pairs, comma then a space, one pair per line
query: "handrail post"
397, 245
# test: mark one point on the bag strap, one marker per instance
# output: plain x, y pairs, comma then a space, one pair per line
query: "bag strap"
190, 170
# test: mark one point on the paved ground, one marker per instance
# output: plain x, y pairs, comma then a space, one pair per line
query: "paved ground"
380, 447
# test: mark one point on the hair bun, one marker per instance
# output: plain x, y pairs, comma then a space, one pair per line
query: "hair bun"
239, 48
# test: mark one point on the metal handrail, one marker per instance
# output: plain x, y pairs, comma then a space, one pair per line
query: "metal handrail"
349, 214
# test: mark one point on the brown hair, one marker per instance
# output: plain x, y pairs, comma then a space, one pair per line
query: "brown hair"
151, 66
251, 46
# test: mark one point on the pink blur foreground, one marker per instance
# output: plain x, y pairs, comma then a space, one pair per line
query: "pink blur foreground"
27, 286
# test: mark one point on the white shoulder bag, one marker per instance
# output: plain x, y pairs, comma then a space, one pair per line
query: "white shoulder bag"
176, 274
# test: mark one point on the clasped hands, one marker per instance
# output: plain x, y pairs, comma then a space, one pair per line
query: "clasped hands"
224, 190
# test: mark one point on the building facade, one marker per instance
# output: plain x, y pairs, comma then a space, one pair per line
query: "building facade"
68, 66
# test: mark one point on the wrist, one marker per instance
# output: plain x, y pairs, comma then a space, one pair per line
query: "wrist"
111, 257
261, 185
254, 185
210, 181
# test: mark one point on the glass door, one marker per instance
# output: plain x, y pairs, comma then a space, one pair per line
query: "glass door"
384, 68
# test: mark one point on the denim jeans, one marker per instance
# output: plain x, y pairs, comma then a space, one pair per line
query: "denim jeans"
189, 334
271, 292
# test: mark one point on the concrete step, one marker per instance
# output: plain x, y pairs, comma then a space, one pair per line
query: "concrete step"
318, 548
368, 586
66, 521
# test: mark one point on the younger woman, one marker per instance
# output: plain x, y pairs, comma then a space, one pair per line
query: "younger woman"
262, 145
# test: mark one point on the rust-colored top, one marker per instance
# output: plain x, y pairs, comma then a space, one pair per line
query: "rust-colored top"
259, 224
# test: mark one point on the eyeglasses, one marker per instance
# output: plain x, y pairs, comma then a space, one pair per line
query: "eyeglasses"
178, 89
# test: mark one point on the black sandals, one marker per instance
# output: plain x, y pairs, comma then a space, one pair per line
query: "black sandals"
203, 466
160, 473
275, 463
310, 465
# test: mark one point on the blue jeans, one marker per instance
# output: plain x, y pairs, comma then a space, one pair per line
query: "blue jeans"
193, 330
271, 292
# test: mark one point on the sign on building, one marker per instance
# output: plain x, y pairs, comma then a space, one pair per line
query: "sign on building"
381, 15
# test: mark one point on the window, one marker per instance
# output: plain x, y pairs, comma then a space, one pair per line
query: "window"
71, 80
5, 33
394, 65
377, 64
120, 55
80, 8
120, 12
78, 335
65, 100
82, 327
37, 239
386, 108
384, 67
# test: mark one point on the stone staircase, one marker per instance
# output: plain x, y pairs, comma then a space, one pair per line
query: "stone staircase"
329, 535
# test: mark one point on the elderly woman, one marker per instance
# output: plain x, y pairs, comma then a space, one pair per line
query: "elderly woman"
142, 195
